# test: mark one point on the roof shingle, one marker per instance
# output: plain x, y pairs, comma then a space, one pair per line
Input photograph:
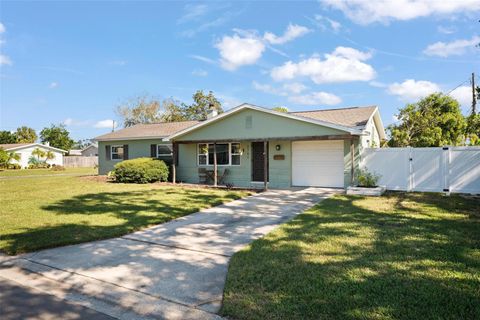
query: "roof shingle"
350, 117
153, 130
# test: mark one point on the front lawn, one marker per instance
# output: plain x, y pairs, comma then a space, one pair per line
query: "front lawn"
401, 256
43, 172
48, 211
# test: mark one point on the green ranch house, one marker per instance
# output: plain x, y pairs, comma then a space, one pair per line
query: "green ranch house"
253, 147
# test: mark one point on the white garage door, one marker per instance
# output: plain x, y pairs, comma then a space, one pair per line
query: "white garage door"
317, 163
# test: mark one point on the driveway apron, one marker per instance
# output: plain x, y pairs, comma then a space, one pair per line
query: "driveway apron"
175, 270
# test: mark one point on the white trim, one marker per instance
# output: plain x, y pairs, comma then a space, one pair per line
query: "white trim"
220, 165
375, 116
257, 108
111, 152
36, 144
165, 155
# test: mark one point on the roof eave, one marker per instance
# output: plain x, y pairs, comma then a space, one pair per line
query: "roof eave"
99, 139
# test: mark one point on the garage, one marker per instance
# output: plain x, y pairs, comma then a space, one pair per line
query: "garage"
318, 163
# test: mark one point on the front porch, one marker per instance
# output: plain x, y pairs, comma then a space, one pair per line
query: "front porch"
252, 163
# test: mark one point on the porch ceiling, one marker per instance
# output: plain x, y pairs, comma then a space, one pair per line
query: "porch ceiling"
299, 138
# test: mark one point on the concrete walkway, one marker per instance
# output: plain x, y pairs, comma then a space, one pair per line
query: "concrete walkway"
175, 270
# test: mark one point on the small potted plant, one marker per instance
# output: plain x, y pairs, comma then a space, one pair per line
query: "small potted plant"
366, 184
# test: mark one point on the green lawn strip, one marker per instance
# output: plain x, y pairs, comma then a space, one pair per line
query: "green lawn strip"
37, 213
401, 256
42, 172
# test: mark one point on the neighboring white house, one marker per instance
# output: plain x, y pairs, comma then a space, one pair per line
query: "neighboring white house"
25, 152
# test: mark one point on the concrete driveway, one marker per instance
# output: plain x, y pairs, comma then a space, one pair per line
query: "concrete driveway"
175, 270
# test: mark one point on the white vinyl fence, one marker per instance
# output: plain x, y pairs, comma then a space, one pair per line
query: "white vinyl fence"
449, 169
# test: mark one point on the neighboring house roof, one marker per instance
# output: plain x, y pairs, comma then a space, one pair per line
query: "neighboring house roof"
147, 131
75, 152
350, 117
93, 145
19, 146
350, 129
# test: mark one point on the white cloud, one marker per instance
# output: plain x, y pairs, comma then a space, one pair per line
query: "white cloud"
316, 98
454, 48
267, 88
192, 12
342, 65
295, 87
293, 31
446, 30
199, 73
378, 84
203, 59
2, 28
285, 90
463, 95
53, 85
68, 121
236, 50
325, 23
365, 12
411, 90
5, 60
103, 124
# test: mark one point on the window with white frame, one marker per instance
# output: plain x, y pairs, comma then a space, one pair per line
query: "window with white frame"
164, 150
228, 154
117, 152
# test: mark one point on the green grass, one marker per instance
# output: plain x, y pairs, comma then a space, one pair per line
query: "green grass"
42, 172
401, 256
42, 212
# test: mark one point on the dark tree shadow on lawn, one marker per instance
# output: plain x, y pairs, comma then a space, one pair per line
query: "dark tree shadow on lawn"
350, 262
111, 214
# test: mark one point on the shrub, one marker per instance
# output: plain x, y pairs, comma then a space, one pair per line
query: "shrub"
57, 168
39, 165
367, 179
140, 170
14, 166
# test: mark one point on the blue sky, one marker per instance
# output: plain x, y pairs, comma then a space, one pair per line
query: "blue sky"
73, 62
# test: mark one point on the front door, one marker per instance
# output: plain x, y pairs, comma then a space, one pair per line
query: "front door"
258, 159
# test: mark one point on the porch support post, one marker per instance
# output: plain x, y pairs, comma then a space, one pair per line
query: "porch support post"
265, 165
352, 160
215, 174
174, 162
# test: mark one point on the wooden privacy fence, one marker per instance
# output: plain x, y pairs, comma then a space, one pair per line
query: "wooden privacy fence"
79, 162
448, 169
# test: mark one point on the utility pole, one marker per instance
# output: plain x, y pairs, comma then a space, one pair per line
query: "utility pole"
474, 97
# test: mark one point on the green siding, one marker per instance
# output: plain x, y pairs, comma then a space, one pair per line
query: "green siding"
263, 125
136, 149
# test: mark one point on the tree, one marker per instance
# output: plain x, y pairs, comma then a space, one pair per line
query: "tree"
7, 157
173, 111
57, 136
141, 109
201, 106
39, 153
472, 132
280, 109
25, 135
7, 137
434, 121
82, 144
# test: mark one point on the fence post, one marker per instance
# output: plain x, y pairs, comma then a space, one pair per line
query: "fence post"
446, 168
410, 169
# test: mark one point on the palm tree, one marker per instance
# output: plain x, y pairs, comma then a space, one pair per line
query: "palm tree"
39, 153
13, 156
49, 155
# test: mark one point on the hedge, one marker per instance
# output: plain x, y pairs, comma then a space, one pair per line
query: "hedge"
140, 170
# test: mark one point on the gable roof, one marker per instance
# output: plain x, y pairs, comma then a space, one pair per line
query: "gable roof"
147, 131
292, 115
18, 146
350, 117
